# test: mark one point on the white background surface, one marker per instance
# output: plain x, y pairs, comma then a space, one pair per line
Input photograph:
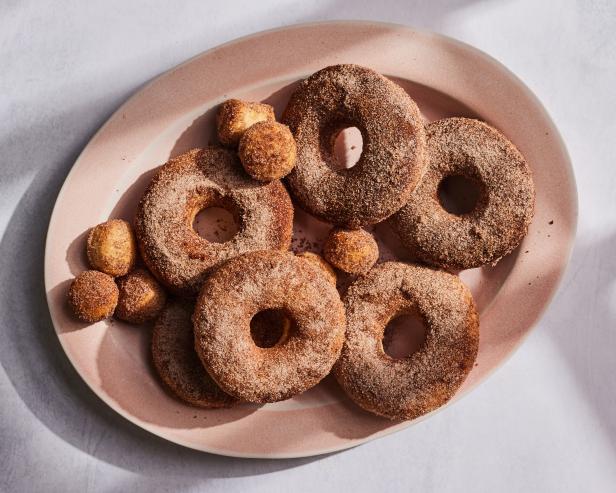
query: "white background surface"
546, 421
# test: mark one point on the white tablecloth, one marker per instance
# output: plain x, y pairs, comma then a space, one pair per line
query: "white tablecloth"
546, 421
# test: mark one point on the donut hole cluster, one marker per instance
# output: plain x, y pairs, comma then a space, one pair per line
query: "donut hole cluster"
235, 116
404, 335
459, 194
113, 286
266, 148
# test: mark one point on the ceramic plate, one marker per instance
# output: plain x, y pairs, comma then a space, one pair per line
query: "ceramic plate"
176, 111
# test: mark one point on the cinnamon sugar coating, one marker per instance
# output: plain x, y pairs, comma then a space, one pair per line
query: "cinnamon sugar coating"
320, 262
198, 179
407, 388
177, 363
391, 162
267, 151
235, 116
141, 297
111, 247
354, 251
257, 281
92, 296
473, 149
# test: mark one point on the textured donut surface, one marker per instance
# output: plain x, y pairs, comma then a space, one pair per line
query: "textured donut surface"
353, 251
407, 388
259, 281
141, 297
391, 162
196, 180
267, 151
111, 247
92, 296
177, 363
500, 219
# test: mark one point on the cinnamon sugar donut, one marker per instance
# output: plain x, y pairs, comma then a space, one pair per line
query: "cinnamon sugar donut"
409, 387
500, 219
141, 298
92, 296
111, 247
353, 251
177, 363
321, 263
267, 151
235, 116
391, 162
196, 180
259, 281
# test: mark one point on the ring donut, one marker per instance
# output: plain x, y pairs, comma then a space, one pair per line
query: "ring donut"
177, 363
406, 388
500, 219
247, 285
391, 162
196, 180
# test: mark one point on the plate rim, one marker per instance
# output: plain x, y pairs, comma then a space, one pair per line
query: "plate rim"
566, 165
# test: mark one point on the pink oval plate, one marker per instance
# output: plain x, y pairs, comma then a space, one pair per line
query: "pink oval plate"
175, 112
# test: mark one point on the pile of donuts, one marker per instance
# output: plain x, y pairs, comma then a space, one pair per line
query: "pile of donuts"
247, 320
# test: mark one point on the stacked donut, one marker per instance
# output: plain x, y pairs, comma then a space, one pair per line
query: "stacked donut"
247, 320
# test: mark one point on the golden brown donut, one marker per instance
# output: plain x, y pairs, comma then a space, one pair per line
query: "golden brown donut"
390, 164
259, 281
235, 116
196, 180
320, 262
267, 151
353, 251
111, 247
473, 149
92, 296
141, 297
177, 363
407, 388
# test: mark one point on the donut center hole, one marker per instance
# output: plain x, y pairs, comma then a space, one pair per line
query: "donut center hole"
269, 328
348, 146
458, 194
215, 224
403, 336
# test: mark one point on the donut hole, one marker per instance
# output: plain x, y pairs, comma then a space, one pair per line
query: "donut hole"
269, 328
404, 335
458, 194
348, 146
215, 224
